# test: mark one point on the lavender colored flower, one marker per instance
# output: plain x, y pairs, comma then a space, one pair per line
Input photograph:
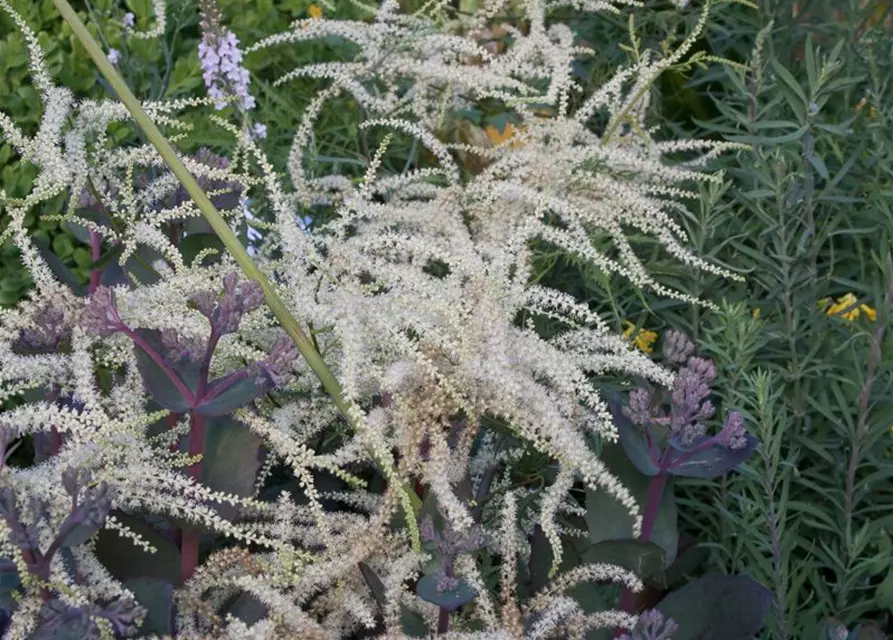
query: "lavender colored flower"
639, 409
114, 56
100, 317
259, 131
733, 434
652, 626
221, 61
129, 20
677, 347
690, 406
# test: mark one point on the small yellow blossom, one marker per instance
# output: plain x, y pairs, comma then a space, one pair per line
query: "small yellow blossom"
872, 110
844, 307
756, 313
315, 11
644, 339
498, 137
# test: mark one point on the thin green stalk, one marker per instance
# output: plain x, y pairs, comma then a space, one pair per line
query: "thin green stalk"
409, 500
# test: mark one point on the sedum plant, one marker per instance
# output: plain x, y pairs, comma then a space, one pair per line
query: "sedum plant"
172, 467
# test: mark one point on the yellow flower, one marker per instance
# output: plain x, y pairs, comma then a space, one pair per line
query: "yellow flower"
315, 11
846, 309
497, 137
756, 313
643, 340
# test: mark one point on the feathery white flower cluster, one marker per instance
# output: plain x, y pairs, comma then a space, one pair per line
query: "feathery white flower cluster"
413, 291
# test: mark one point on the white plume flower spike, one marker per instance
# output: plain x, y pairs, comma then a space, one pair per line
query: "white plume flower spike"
411, 285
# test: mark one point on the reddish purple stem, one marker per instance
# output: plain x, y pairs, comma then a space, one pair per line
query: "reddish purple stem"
157, 359
649, 517
189, 545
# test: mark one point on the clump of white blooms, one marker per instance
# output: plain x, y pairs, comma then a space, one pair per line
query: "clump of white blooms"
428, 359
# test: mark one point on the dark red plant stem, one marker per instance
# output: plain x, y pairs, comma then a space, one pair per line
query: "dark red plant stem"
652, 505
420, 489
137, 339
190, 537
95, 254
443, 621
652, 508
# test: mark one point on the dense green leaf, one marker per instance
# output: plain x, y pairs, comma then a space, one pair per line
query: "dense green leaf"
633, 441
248, 609
157, 596
9, 576
540, 559
79, 534
124, 560
231, 461
718, 607
413, 624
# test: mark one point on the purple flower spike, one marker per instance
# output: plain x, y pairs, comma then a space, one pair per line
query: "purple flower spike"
639, 409
221, 61
690, 406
